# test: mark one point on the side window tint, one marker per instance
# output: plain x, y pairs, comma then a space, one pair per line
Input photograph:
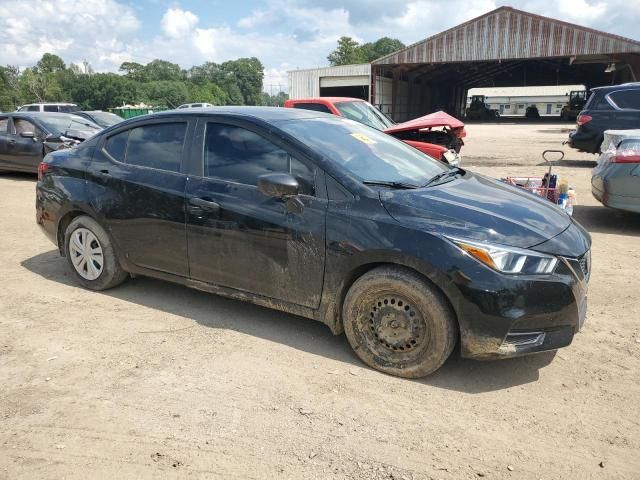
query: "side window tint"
601, 103
306, 176
116, 145
316, 107
50, 108
4, 124
157, 146
20, 126
626, 99
33, 108
240, 155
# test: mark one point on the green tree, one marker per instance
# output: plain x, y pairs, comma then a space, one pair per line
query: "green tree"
168, 93
162, 70
134, 71
347, 52
10, 96
381, 47
247, 74
49, 63
102, 91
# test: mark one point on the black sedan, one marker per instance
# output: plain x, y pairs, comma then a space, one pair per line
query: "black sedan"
26, 137
325, 218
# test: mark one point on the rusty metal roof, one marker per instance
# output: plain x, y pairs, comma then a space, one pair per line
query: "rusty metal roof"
507, 33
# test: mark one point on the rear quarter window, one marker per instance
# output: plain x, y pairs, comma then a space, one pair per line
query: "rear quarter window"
4, 123
315, 107
626, 99
116, 146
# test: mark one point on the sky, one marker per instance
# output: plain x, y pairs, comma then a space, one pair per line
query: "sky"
283, 34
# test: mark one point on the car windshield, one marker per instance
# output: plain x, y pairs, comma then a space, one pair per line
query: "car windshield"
60, 124
105, 119
370, 155
364, 112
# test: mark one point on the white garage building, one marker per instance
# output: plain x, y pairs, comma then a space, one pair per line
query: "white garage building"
349, 81
513, 101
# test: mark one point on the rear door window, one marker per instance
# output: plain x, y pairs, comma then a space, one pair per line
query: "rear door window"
156, 146
239, 155
626, 99
116, 146
50, 108
316, 107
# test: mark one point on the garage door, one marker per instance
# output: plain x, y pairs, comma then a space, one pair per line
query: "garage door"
344, 81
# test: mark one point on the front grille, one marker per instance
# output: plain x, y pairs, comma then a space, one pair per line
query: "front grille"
584, 261
521, 339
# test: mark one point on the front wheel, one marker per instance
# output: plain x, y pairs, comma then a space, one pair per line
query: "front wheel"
91, 255
398, 323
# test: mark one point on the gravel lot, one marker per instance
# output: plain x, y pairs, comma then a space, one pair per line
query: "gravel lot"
155, 380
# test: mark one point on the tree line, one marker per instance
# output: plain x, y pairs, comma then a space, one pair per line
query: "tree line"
158, 83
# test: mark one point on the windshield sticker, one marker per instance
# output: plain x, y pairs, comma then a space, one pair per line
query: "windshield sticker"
363, 138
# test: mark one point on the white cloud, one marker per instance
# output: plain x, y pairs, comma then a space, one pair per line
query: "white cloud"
177, 23
283, 34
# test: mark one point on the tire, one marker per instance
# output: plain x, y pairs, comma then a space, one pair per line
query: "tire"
100, 270
398, 323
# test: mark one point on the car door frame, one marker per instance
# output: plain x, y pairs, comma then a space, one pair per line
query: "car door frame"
16, 165
95, 175
196, 169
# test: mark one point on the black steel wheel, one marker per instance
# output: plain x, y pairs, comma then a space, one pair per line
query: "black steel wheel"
397, 322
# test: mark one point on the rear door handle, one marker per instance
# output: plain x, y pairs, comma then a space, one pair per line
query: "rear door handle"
203, 204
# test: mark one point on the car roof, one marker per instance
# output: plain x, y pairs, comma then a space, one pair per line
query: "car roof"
48, 103
42, 114
622, 86
328, 99
267, 114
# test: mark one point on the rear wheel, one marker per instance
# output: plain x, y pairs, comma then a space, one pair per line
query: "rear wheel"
91, 255
398, 323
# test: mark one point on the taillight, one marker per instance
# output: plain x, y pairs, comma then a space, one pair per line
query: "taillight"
42, 169
582, 119
624, 157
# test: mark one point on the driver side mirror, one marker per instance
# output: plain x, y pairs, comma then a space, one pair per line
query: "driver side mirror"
28, 135
278, 185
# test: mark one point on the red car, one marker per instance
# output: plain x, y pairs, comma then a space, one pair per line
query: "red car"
438, 134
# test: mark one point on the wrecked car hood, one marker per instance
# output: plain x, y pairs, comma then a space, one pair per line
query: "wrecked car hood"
436, 119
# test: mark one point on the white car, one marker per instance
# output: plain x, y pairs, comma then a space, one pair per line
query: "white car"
195, 105
49, 107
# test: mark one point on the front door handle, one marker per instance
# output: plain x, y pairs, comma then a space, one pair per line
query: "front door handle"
203, 204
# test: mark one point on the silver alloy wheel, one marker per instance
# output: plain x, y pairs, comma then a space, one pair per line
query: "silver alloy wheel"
86, 253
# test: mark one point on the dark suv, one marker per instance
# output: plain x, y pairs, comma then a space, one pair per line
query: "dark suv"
326, 218
616, 107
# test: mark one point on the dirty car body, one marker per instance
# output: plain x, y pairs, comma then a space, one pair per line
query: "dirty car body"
211, 227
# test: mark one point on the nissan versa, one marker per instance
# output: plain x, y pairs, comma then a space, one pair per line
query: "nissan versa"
325, 218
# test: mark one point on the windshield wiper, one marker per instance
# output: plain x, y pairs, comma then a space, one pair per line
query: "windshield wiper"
443, 175
385, 183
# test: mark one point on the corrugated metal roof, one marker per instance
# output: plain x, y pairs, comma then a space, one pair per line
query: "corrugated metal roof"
548, 91
507, 33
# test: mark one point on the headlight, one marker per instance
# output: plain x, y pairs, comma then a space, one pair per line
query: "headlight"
508, 259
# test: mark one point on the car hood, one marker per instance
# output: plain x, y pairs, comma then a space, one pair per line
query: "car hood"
437, 119
478, 208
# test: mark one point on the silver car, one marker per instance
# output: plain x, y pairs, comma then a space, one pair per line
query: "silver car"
615, 181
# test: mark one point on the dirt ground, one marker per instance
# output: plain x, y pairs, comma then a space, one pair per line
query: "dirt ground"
153, 380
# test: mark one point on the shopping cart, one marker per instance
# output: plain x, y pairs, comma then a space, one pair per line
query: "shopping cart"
546, 186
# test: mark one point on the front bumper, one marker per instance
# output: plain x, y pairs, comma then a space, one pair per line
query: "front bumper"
584, 141
503, 316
